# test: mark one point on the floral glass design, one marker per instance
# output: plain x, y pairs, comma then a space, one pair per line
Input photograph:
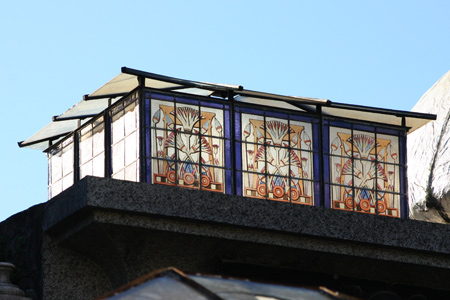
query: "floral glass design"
187, 145
364, 172
277, 159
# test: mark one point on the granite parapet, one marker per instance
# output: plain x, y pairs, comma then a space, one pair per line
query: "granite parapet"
213, 208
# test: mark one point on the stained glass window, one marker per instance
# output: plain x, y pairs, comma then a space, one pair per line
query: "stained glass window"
277, 158
188, 140
365, 171
61, 167
91, 139
218, 145
125, 139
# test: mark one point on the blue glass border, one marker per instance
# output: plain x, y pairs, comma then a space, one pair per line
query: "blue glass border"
147, 109
365, 128
165, 97
276, 114
238, 163
302, 118
237, 126
253, 111
342, 124
238, 183
227, 129
213, 104
187, 101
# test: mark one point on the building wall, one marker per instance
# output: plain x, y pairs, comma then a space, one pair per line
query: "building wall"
102, 233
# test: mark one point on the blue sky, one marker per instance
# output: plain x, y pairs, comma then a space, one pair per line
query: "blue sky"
375, 53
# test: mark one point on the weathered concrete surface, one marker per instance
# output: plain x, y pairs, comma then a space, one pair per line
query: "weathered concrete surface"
201, 207
102, 233
429, 157
134, 227
21, 244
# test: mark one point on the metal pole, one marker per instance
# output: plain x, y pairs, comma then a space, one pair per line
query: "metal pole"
321, 157
107, 142
76, 157
230, 96
142, 141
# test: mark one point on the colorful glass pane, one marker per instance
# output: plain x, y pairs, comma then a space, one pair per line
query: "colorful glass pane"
277, 155
364, 171
188, 144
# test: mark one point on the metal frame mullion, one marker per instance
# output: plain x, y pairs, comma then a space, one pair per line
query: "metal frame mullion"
230, 96
199, 137
375, 166
321, 159
176, 161
76, 157
266, 179
142, 136
353, 169
107, 143
402, 163
289, 148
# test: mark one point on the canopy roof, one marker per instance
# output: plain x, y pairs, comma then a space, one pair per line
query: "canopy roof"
129, 79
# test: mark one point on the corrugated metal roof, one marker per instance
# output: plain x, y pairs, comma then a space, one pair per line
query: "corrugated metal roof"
171, 284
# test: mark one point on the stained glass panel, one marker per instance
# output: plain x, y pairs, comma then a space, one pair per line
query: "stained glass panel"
252, 151
187, 144
364, 171
277, 153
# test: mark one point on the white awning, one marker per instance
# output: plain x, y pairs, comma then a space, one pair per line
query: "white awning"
67, 122
128, 80
53, 131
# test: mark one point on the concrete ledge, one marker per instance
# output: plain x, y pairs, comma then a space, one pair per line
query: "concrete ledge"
214, 208
116, 231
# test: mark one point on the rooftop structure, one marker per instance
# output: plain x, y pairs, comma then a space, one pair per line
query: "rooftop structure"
151, 171
102, 233
156, 129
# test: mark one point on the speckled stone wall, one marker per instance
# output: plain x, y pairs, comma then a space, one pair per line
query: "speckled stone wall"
235, 211
102, 233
